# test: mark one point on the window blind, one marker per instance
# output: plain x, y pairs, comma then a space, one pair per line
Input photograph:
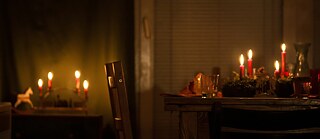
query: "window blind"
194, 36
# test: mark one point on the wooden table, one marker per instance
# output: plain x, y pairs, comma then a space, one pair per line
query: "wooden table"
56, 123
193, 111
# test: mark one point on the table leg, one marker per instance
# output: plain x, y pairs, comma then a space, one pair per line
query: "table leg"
188, 125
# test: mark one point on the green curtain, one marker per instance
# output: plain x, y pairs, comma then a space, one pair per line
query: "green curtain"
38, 36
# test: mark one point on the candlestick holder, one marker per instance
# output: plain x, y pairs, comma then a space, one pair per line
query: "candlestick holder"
63, 97
86, 96
49, 90
77, 91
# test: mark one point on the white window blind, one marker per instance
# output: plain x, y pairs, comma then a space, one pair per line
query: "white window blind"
196, 35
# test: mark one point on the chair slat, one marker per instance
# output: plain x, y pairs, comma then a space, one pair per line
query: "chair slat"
119, 99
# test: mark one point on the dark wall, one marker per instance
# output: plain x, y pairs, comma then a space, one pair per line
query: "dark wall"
38, 36
316, 51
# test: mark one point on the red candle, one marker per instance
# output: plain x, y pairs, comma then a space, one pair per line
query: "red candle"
277, 66
77, 74
40, 83
85, 88
250, 63
283, 59
241, 59
50, 76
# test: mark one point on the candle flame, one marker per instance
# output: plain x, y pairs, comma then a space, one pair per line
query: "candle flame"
250, 54
241, 59
77, 74
40, 82
283, 47
277, 65
50, 75
85, 84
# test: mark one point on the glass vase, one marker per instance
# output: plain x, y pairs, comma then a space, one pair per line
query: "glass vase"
302, 67
302, 84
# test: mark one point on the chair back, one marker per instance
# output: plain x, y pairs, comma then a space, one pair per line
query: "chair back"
119, 100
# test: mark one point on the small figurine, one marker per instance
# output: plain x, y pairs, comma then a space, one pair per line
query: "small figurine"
24, 98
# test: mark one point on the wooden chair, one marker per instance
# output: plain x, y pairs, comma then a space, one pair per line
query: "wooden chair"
119, 100
263, 123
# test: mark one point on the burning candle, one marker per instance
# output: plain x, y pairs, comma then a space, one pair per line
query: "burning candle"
283, 59
199, 83
40, 83
85, 88
50, 76
250, 63
77, 74
277, 66
241, 59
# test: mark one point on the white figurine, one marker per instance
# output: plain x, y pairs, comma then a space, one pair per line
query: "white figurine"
24, 98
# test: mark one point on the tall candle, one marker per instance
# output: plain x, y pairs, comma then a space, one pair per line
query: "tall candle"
250, 63
50, 76
40, 83
241, 60
283, 59
85, 88
277, 66
77, 75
